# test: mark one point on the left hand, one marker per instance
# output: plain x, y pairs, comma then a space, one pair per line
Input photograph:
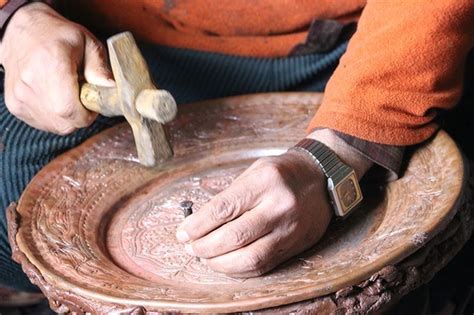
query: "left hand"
274, 210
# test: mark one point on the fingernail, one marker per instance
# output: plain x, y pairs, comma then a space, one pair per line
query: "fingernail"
182, 236
189, 249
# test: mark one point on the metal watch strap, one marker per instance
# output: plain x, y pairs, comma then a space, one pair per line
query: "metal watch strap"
343, 187
327, 160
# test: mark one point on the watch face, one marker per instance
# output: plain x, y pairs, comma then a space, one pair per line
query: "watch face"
347, 192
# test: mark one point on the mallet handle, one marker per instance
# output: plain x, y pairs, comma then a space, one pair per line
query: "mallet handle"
99, 99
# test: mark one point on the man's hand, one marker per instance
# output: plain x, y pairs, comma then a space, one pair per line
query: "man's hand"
44, 55
276, 209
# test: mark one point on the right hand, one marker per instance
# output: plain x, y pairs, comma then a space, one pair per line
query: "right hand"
44, 55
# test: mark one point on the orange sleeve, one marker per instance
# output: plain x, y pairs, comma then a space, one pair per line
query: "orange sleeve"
404, 63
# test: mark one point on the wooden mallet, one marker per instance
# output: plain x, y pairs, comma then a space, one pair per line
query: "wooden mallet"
136, 98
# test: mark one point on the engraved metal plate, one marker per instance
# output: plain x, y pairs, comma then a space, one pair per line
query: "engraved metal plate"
97, 230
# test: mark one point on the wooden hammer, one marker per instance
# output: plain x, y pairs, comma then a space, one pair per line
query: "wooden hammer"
136, 98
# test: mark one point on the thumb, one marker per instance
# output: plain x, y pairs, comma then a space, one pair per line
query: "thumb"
96, 67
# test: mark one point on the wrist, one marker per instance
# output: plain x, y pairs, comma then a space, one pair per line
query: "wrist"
345, 152
7, 11
309, 174
306, 166
341, 166
23, 18
24, 13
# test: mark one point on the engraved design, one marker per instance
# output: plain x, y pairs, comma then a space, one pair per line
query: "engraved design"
94, 212
146, 238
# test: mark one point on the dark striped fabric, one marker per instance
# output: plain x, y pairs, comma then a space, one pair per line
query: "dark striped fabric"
188, 75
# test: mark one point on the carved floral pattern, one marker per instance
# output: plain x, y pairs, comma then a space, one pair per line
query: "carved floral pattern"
93, 213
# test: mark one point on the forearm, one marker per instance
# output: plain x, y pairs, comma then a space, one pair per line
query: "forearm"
404, 63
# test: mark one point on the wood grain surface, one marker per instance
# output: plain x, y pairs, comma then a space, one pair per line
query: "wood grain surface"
96, 230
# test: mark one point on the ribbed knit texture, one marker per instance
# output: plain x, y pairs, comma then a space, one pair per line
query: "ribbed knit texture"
188, 75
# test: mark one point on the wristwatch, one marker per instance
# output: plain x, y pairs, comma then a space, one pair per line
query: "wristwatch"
343, 186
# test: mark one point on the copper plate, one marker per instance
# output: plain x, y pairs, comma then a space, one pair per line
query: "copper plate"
99, 227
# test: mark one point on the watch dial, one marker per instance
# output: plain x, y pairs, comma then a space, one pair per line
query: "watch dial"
347, 192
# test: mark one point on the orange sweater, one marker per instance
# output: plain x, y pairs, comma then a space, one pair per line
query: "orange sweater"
263, 28
403, 64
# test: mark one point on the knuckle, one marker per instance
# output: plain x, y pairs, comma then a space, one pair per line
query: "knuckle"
74, 33
289, 200
271, 171
66, 111
19, 91
224, 209
239, 237
293, 227
96, 46
63, 130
